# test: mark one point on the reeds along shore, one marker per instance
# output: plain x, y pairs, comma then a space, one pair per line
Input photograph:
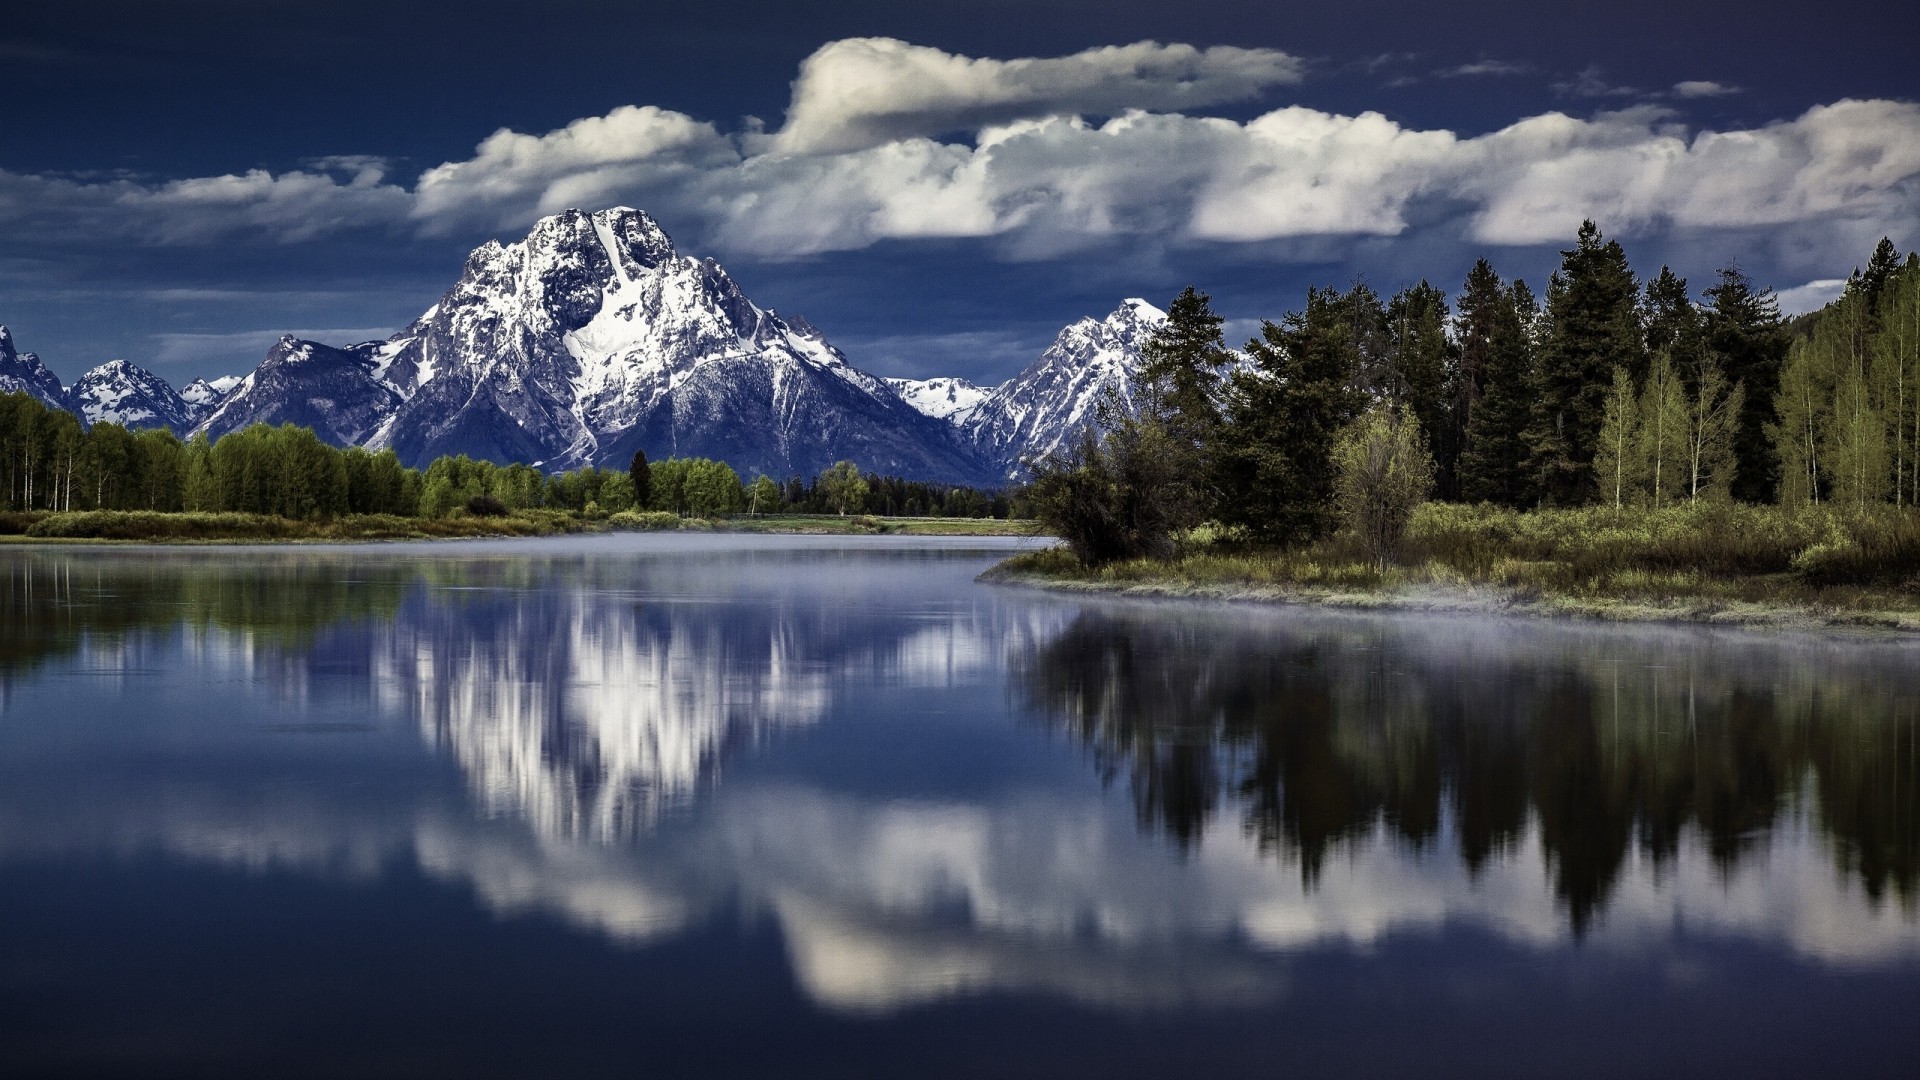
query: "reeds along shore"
1811, 557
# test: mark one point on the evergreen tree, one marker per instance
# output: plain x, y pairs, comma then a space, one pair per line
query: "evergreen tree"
1884, 263
1421, 371
642, 476
1285, 414
1475, 315
1673, 324
1593, 327
1746, 339
1177, 389
1493, 464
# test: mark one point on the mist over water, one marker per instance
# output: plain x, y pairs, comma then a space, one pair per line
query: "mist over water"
747, 805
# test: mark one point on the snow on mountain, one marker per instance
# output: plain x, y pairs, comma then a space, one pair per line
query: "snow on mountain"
336, 392
23, 372
1040, 409
118, 392
952, 400
594, 337
205, 395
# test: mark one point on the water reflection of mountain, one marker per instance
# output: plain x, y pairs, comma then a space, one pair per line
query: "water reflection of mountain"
1320, 733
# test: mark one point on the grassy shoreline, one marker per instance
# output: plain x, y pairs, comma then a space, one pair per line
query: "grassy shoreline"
1722, 566
149, 527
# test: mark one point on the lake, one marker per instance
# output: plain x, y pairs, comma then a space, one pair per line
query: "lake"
782, 806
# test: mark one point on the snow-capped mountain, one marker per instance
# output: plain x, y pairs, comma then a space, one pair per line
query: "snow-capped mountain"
118, 392
23, 372
594, 337
1041, 408
336, 392
949, 399
205, 395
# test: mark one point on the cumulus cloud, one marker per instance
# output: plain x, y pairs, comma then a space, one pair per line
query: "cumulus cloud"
862, 92
1062, 154
1812, 296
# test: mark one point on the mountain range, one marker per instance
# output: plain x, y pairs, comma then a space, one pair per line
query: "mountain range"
594, 337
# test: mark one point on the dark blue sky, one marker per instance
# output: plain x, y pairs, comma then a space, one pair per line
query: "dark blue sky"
182, 181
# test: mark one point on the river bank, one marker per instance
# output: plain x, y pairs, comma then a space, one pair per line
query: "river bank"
152, 527
1716, 565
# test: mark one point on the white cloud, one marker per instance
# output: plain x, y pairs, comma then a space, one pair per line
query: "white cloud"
1702, 88
1812, 296
1063, 154
862, 92
1483, 67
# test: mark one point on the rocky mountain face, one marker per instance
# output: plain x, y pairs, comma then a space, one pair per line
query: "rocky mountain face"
594, 337
336, 392
1043, 407
24, 373
205, 395
118, 392
949, 399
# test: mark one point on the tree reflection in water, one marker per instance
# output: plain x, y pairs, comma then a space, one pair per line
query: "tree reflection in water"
1312, 730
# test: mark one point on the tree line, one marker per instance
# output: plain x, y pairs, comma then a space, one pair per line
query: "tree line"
1609, 391
50, 461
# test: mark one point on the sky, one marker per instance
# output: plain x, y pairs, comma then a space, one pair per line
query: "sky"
938, 186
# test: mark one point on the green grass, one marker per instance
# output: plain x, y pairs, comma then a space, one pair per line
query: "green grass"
1712, 562
133, 526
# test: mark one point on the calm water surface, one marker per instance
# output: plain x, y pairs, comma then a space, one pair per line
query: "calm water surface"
728, 806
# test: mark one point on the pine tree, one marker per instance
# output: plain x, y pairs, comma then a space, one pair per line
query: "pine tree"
1884, 263
1594, 326
1493, 465
1422, 370
1674, 324
1617, 454
1475, 313
1285, 414
1745, 337
642, 476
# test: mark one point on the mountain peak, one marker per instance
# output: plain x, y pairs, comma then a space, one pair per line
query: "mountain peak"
122, 392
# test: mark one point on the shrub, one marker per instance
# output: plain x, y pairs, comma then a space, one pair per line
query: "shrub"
644, 521
486, 506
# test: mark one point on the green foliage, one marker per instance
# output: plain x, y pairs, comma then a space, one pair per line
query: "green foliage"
1593, 327
1118, 496
1385, 471
644, 521
842, 487
763, 495
1284, 413
1493, 463
640, 475
1745, 337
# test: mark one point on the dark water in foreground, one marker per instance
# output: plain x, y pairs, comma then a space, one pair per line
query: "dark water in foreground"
779, 807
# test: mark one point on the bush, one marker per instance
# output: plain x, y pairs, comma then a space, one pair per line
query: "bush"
486, 506
644, 521
154, 525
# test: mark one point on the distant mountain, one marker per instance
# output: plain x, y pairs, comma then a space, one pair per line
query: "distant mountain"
594, 337
118, 392
1041, 408
948, 399
23, 372
337, 392
205, 395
